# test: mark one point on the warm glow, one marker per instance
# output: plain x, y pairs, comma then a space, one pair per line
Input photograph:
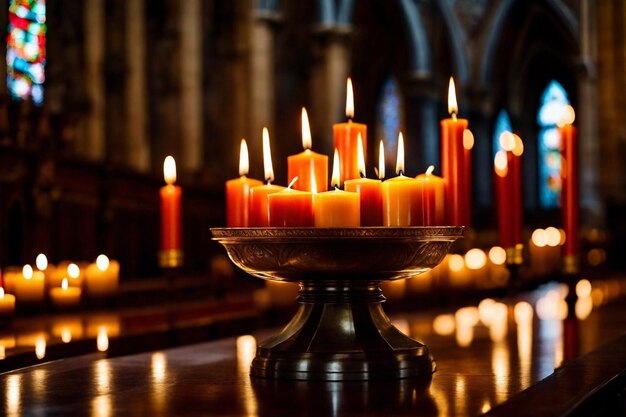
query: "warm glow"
64, 284
307, 142
466, 316
244, 160
66, 335
475, 258
453, 108
539, 238
583, 288
498, 325
41, 262
523, 313
568, 116
468, 139
596, 256
267, 156
334, 182
553, 236
159, 366
501, 163
27, 271
40, 348
444, 324
400, 158
73, 270
583, 308
430, 170
507, 141
552, 306
102, 340
563, 237
497, 255
246, 349
102, 262
349, 100
1, 292
381, 161
486, 407
360, 155
455, 263
484, 310
169, 170
518, 148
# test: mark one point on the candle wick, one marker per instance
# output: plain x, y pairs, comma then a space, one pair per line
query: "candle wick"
401, 173
293, 181
269, 181
336, 187
454, 116
362, 175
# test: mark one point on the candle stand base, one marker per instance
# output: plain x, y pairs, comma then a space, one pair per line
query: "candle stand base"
171, 258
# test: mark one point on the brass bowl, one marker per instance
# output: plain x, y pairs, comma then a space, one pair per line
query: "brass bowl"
340, 331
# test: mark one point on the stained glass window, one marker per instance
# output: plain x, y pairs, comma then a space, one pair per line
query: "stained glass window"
503, 124
26, 49
553, 99
389, 119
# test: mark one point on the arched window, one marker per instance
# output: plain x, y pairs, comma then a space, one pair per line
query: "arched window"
389, 119
553, 99
503, 124
26, 49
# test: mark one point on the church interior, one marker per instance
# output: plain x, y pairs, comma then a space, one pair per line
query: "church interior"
130, 269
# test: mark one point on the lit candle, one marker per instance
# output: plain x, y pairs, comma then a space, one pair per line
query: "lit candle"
238, 192
259, 201
291, 208
66, 269
310, 167
452, 163
336, 208
507, 166
7, 304
346, 139
569, 190
65, 296
370, 191
171, 196
468, 145
433, 197
102, 278
29, 288
402, 196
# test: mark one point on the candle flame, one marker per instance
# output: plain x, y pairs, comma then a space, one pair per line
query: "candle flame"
73, 270
102, 262
381, 161
349, 100
169, 170
518, 149
500, 163
307, 143
468, 139
41, 262
244, 163
400, 157
293, 181
507, 141
267, 157
27, 271
1, 292
452, 106
335, 177
64, 284
568, 116
360, 156
430, 170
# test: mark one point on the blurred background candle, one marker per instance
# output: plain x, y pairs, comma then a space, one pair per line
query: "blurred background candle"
346, 140
259, 201
102, 277
171, 197
433, 198
10, 276
238, 192
7, 304
336, 208
65, 297
468, 145
569, 193
310, 167
29, 288
370, 191
402, 196
291, 208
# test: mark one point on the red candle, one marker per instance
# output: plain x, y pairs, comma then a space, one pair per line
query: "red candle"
291, 208
171, 197
238, 192
507, 165
516, 172
370, 191
569, 190
452, 162
346, 140
433, 196
310, 167
468, 145
259, 200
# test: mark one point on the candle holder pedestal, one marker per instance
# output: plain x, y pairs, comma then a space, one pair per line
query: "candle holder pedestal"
340, 331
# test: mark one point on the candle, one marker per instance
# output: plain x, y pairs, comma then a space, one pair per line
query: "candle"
402, 196
259, 201
171, 195
102, 278
370, 191
10, 276
569, 190
337, 208
507, 166
29, 288
433, 198
346, 139
291, 208
468, 145
310, 167
65, 296
66, 269
238, 192
452, 162
7, 304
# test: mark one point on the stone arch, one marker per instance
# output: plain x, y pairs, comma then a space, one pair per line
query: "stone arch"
457, 39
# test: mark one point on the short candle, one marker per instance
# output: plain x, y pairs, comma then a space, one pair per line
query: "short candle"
370, 191
337, 208
310, 167
65, 296
238, 192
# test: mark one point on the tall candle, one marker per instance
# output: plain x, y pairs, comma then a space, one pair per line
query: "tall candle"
259, 201
402, 196
452, 163
507, 166
171, 197
310, 167
291, 208
336, 208
468, 145
370, 191
238, 192
569, 191
346, 139
433, 198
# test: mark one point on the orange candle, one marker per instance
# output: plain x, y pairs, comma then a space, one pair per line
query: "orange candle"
238, 192
402, 196
259, 201
370, 191
337, 208
569, 176
433, 197
452, 163
171, 196
346, 140
507, 166
310, 167
468, 145
291, 208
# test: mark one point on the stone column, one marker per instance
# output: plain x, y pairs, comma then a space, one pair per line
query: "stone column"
92, 144
422, 143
